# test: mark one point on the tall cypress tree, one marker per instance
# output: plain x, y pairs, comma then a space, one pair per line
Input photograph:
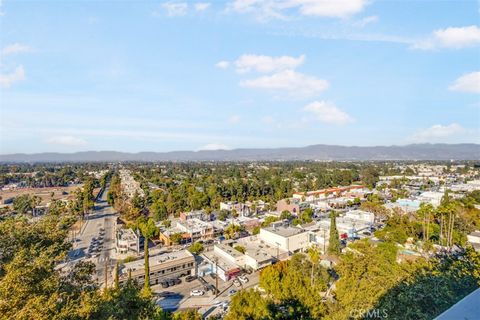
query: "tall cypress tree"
334, 241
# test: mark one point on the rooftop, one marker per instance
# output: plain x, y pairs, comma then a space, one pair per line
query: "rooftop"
156, 260
284, 231
231, 251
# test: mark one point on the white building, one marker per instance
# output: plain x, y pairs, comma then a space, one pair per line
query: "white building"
432, 197
287, 238
360, 215
126, 240
474, 239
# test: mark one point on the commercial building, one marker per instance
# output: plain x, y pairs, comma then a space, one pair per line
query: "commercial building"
126, 240
287, 238
311, 196
196, 229
164, 266
220, 263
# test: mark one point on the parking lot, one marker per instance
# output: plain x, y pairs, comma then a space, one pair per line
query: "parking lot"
180, 296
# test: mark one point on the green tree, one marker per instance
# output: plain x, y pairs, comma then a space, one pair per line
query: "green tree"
148, 230
314, 255
176, 238
196, 248
248, 305
240, 249
334, 240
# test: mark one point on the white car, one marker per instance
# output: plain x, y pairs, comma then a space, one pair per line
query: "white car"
196, 293
243, 279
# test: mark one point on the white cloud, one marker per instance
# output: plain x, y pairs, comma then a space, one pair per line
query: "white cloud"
6, 80
453, 37
437, 131
66, 141
293, 83
331, 8
175, 9
276, 9
266, 64
328, 113
15, 48
202, 6
365, 21
214, 146
469, 82
222, 64
234, 119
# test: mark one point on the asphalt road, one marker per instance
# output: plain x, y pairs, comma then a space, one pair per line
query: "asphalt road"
181, 299
103, 216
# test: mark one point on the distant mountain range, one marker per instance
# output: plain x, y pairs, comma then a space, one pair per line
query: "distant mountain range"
465, 151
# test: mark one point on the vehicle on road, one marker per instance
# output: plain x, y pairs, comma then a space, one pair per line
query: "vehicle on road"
237, 283
243, 279
196, 293
190, 278
232, 292
177, 281
171, 282
164, 284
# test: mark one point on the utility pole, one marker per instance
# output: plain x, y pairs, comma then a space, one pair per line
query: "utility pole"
324, 241
216, 276
106, 274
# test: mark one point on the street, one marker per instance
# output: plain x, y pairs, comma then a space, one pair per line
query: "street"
103, 216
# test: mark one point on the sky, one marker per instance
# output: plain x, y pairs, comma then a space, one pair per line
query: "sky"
182, 75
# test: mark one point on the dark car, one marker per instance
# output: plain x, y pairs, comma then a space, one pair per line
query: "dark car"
190, 278
177, 281
165, 284
167, 294
171, 282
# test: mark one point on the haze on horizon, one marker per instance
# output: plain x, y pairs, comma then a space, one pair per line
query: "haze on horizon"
180, 75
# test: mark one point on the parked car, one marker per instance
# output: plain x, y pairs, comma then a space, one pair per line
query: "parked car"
164, 284
196, 293
243, 279
213, 275
171, 282
177, 281
167, 294
237, 283
190, 278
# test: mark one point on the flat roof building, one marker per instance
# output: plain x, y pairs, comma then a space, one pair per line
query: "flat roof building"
164, 266
287, 238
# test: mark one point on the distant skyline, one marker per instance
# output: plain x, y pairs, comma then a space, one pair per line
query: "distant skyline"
181, 75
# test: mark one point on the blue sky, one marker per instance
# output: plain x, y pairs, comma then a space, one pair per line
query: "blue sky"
161, 76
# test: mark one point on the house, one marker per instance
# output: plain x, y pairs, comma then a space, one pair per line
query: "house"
241, 208
197, 214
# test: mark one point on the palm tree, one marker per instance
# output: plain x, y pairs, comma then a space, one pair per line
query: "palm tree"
148, 230
314, 255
